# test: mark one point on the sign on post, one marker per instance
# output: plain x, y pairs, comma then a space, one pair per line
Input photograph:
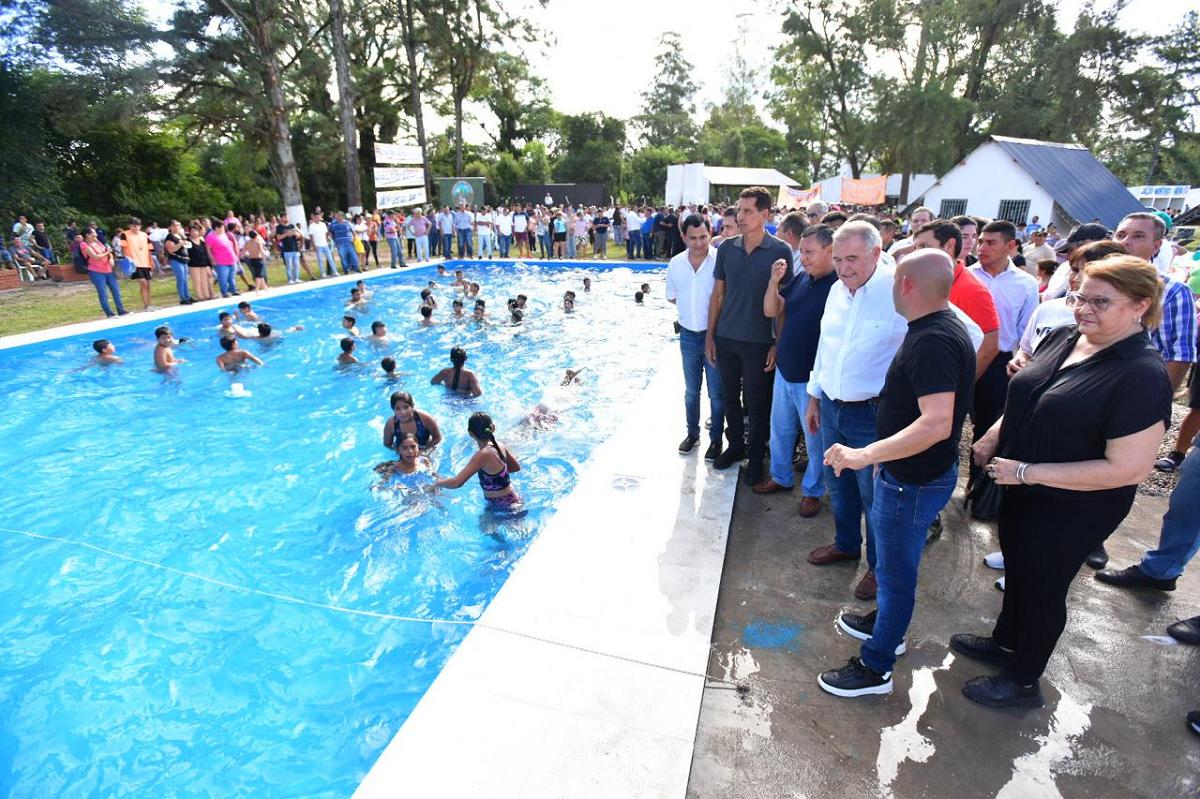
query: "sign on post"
386, 153
387, 177
399, 199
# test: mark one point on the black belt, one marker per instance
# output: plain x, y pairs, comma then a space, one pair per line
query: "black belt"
871, 401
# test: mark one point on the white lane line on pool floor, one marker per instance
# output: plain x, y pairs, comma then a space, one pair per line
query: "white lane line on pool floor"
374, 614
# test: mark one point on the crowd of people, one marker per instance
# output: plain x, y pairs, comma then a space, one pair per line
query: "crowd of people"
873, 341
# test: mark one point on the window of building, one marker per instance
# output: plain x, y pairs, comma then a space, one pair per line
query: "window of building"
1015, 211
952, 208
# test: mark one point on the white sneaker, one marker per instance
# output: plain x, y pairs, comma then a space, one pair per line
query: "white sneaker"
994, 560
1000, 584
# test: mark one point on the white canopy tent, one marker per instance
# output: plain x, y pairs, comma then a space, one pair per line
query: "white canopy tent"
692, 183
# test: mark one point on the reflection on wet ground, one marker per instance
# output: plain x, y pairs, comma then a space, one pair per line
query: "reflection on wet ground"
1117, 690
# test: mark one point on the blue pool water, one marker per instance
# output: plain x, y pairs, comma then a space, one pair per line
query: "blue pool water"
120, 678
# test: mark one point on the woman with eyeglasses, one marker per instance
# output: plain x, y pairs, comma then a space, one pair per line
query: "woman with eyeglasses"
1080, 431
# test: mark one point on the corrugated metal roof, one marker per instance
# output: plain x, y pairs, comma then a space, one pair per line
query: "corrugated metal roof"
1074, 178
746, 176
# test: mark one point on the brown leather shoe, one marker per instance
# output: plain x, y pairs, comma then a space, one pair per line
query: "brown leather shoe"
769, 486
823, 556
810, 506
866, 587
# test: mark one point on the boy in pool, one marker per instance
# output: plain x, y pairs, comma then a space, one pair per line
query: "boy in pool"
587, 284
227, 328
164, 356
363, 290
441, 270
388, 365
457, 305
347, 356
638, 297
379, 335
426, 316
645, 289
349, 324
568, 304
517, 315
474, 292
266, 331
572, 376
521, 300
234, 357
427, 298
106, 352
356, 299
246, 313
460, 282
480, 310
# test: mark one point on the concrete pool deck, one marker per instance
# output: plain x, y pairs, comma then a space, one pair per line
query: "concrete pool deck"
584, 675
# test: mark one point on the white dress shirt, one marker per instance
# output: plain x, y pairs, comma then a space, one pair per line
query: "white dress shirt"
860, 334
504, 224
1015, 293
691, 289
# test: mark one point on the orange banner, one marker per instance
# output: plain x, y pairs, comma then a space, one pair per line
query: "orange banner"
869, 191
791, 197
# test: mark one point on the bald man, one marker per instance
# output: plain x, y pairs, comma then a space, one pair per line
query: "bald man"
924, 399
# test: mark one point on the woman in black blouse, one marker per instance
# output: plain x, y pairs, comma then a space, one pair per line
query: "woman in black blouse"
1080, 430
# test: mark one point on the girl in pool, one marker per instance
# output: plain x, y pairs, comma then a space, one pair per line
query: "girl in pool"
408, 421
492, 463
458, 378
409, 460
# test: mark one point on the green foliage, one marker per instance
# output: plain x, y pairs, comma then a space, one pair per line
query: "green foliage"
646, 175
669, 118
590, 150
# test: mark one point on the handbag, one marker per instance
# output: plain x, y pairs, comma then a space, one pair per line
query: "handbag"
983, 497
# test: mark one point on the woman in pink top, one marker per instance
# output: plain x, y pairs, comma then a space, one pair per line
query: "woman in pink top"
99, 265
223, 253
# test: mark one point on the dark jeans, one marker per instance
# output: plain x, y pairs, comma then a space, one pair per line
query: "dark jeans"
633, 244
991, 392
697, 369
447, 242
349, 257
505, 242
851, 424
105, 282
465, 245
900, 517
743, 381
1045, 539
648, 246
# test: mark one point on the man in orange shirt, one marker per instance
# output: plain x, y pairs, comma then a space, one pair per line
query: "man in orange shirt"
137, 249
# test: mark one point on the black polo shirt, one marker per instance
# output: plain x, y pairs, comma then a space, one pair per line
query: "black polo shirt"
1067, 415
935, 357
803, 306
746, 276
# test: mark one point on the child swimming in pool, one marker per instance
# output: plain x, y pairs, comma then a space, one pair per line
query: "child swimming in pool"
234, 358
492, 463
458, 378
407, 420
409, 460
106, 352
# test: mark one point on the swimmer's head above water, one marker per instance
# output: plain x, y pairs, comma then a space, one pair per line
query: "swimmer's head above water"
103, 346
264, 330
388, 365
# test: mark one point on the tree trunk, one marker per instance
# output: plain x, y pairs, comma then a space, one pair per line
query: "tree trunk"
458, 142
987, 40
408, 23
279, 134
346, 107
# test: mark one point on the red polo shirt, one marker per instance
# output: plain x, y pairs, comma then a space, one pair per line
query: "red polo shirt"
974, 299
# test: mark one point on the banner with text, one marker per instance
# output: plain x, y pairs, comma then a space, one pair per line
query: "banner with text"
392, 177
792, 197
400, 199
386, 153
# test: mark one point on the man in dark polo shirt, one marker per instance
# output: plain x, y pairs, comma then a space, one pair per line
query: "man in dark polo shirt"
797, 304
740, 338
924, 400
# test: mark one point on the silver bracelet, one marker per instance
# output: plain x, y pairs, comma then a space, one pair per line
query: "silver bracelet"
1021, 467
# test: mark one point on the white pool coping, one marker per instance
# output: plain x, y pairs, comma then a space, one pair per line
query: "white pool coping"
585, 674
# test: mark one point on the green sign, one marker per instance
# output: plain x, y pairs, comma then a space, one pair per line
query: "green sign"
457, 192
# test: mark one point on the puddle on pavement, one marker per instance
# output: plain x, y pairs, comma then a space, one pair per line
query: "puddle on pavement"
1033, 774
902, 741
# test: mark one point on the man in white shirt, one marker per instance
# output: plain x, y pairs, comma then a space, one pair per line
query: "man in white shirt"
1037, 250
689, 287
1015, 293
484, 221
504, 230
920, 217
318, 236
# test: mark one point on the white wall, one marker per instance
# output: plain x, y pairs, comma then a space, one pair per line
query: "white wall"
695, 185
673, 193
984, 178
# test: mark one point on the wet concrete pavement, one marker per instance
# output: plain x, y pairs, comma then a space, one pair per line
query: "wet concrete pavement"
1113, 725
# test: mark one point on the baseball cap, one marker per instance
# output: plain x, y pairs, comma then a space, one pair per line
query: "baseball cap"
1082, 234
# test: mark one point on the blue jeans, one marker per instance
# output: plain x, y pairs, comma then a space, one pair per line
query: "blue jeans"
349, 257
570, 244
633, 245
105, 282
900, 517
47, 253
465, 246
696, 369
447, 241
180, 271
504, 242
325, 257
225, 279
850, 494
393, 243
788, 401
291, 266
1179, 538
485, 244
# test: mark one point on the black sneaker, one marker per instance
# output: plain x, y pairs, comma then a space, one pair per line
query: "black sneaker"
1002, 691
862, 627
687, 445
1098, 559
730, 457
1186, 631
1133, 577
979, 647
1170, 462
713, 451
854, 679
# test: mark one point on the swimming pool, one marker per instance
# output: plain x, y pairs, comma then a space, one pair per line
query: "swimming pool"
144, 665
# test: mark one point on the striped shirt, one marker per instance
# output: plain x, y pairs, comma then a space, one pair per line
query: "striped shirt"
1175, 338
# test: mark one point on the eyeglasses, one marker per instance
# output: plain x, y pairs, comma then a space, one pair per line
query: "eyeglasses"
1099, 304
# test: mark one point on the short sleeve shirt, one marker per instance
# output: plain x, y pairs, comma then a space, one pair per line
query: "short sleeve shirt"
803, 305
974, 299
289, 244
935, 357
746, 275
1067, 415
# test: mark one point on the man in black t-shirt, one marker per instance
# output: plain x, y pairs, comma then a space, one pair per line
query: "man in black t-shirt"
924, 400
